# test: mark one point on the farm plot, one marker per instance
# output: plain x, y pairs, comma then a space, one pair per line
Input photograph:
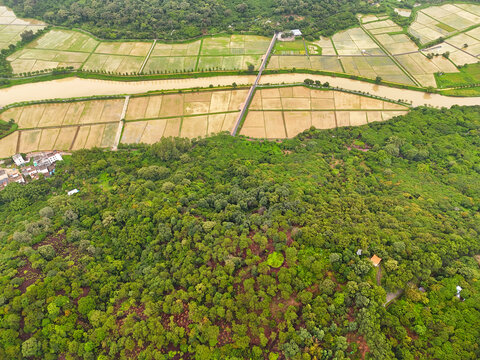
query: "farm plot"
235, 45
440, 21
468, 42
397, 43
65, 114
321, 63
115, 64
364, 19
57, 48
241, 62
324, 46
11, 27
371, 67
285, 112
149, 118
295, 47
423, 69
187, 104
8, 145
457, 56
169, 58
65, 138
382, 27
355, 42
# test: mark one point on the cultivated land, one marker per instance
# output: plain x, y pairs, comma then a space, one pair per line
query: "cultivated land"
443, 21
274, 113
64, 48
284, 112
11, 27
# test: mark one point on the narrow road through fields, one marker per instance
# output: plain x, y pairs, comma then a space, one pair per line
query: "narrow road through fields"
246, 104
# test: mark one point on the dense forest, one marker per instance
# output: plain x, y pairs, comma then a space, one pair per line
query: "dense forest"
174, 19
224, 248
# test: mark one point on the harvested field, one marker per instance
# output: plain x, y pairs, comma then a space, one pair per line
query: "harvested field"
382, 27
285, 112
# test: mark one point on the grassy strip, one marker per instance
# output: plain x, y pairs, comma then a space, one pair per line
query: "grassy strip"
466, 92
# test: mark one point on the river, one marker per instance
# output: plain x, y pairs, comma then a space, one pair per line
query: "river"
77, 87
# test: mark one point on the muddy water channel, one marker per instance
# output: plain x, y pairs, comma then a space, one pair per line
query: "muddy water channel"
76, 87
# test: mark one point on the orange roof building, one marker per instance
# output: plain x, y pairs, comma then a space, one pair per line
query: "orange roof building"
375, 260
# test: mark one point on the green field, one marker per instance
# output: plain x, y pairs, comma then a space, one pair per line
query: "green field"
468, 75
296, 47
67, 48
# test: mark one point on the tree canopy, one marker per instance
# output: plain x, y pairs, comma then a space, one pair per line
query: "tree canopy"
223, 248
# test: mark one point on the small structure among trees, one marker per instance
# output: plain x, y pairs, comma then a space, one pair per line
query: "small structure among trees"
375, 260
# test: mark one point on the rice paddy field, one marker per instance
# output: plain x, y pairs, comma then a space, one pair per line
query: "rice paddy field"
63, 48
149, 118
11, 27
296, 47
442, 21
277, 113
355, 42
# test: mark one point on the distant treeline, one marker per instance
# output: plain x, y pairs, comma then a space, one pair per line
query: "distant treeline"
167, 19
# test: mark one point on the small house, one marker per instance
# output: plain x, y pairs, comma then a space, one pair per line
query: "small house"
375, 260
296, 32
18, 159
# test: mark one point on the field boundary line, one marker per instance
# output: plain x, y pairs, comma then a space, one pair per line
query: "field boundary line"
17, 149
147, 57
392, 57
89, 56
74, 138
456, 47
182, 115
198, 55
116, 141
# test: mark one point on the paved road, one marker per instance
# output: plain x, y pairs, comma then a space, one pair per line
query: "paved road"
246, 104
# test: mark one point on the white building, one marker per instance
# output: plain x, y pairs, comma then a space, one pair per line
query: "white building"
18, 160
71, 192
296, 32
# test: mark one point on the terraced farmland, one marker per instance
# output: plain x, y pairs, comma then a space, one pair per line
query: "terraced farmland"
284, 112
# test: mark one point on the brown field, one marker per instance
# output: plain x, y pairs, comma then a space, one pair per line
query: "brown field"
58, 114
48, 138
285, 112
173, 105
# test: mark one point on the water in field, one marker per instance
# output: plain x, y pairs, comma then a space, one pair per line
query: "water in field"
75, 87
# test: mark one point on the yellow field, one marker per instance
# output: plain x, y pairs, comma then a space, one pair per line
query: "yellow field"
172, 105
8, 145
285, 112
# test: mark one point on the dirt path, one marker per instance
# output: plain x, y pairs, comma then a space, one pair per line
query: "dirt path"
76, 87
